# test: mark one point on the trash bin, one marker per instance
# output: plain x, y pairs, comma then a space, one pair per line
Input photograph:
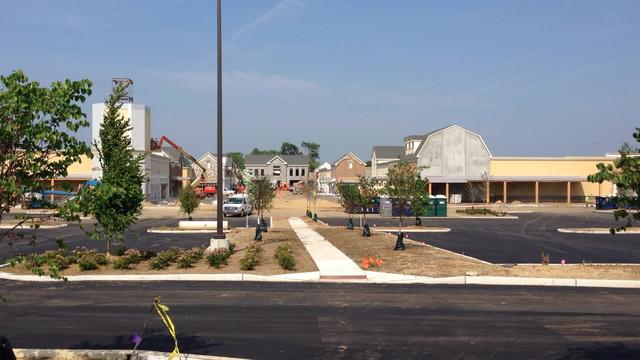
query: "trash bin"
440, 203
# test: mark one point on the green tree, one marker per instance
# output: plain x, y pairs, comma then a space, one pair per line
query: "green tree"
37, 127
349, 198
188, 200
289, 149
625, 174
404, 185
116, 202
262, 194
420, 199
238, 159
37, 139
313, 151
257, 151
368, 192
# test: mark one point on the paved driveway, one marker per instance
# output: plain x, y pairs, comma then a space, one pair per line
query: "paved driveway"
523, 240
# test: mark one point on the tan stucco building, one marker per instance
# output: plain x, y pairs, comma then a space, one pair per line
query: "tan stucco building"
453, 157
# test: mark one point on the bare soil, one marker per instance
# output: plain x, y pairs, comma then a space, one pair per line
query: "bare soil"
242, 238
425, 260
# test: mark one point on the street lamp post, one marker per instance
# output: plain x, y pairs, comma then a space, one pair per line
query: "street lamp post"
220, 190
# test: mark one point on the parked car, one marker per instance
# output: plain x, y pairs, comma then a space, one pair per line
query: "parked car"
238, 204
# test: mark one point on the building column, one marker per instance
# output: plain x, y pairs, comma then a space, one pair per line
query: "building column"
446, 191
568, 192
504, 191
53, 186
487, 192
537, 192
430, 193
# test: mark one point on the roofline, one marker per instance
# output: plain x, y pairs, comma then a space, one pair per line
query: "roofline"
277, 156
352, 154
445, 128
547, 158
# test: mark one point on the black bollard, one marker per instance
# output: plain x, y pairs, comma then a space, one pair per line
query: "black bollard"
350, 224
399, 242
258, 236
315, 217
366, 231
6, 352
263, 223
418, 221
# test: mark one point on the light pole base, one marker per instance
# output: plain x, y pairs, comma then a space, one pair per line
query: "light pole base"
215, 244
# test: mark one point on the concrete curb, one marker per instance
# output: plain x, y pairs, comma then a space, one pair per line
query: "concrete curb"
162, 231
388, 230
27, 227
88, 354
373, 277
507, 217
597, 231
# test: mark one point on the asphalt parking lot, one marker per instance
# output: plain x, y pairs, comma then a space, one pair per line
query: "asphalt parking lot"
522, 240
137, 237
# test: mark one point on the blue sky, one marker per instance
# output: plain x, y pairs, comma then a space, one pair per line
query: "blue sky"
533, 78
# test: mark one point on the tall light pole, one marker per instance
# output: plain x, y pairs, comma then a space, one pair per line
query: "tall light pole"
220, 189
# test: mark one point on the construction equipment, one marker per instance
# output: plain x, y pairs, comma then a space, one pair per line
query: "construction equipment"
201, 191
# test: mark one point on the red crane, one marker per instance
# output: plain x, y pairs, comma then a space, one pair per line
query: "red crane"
207, 190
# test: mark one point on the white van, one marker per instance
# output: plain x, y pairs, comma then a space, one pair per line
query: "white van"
238, 204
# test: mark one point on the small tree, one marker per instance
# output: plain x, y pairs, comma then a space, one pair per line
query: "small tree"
116, 202
419, 203
475, 192
262, 194
349, 199
368, 193
404, 185
625, 174
188, 200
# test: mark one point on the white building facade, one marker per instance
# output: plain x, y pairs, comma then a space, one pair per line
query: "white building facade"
156, 165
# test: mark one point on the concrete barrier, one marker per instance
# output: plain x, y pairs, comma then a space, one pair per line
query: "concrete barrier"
201, 225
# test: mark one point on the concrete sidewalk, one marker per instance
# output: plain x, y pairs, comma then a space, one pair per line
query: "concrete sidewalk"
331, 262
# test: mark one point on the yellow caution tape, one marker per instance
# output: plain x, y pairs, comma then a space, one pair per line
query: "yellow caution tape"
162, 311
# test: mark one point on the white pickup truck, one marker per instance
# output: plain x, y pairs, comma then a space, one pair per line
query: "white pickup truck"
238, 204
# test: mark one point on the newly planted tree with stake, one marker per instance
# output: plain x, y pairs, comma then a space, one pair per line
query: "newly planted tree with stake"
188, 200
349, 199
262, 194
116, 202
403, 187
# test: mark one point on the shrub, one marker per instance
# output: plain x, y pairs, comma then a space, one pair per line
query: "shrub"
164, 259
251, 258
87, 262
134, 255
282, 250
187, 258
287, 262
285, 258
219, 257
59, 263
123, 263
480, 211
545, 259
